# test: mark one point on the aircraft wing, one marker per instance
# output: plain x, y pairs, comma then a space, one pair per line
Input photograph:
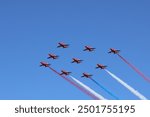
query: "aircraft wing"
58, 46
85, 49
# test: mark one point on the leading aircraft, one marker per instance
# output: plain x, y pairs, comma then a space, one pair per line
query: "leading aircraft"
63, 45
101, 66
52, 56
114, 51
63, 72
86, 75
44, 64
88, 48
76, 60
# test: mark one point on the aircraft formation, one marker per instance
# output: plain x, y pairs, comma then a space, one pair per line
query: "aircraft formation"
77, 60
64, 73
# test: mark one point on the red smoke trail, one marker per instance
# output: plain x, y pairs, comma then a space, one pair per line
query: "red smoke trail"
71, 82
134, 68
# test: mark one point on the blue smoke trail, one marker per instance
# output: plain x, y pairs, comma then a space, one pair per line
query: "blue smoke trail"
88, 88
104, 89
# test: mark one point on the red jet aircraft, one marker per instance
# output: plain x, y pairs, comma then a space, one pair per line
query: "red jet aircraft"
112, 50
63, 45
52, 56
75, 60
87, 75
101, 66
88, 48
63, 72
44, 64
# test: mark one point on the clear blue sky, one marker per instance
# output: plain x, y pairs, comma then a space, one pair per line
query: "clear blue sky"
29, 30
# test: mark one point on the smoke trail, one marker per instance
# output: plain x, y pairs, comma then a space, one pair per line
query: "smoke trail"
104, 89
87, 88
132, 90
77, 86
135, 69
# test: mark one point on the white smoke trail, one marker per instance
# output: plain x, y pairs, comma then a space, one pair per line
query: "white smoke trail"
132, 90
88, 88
